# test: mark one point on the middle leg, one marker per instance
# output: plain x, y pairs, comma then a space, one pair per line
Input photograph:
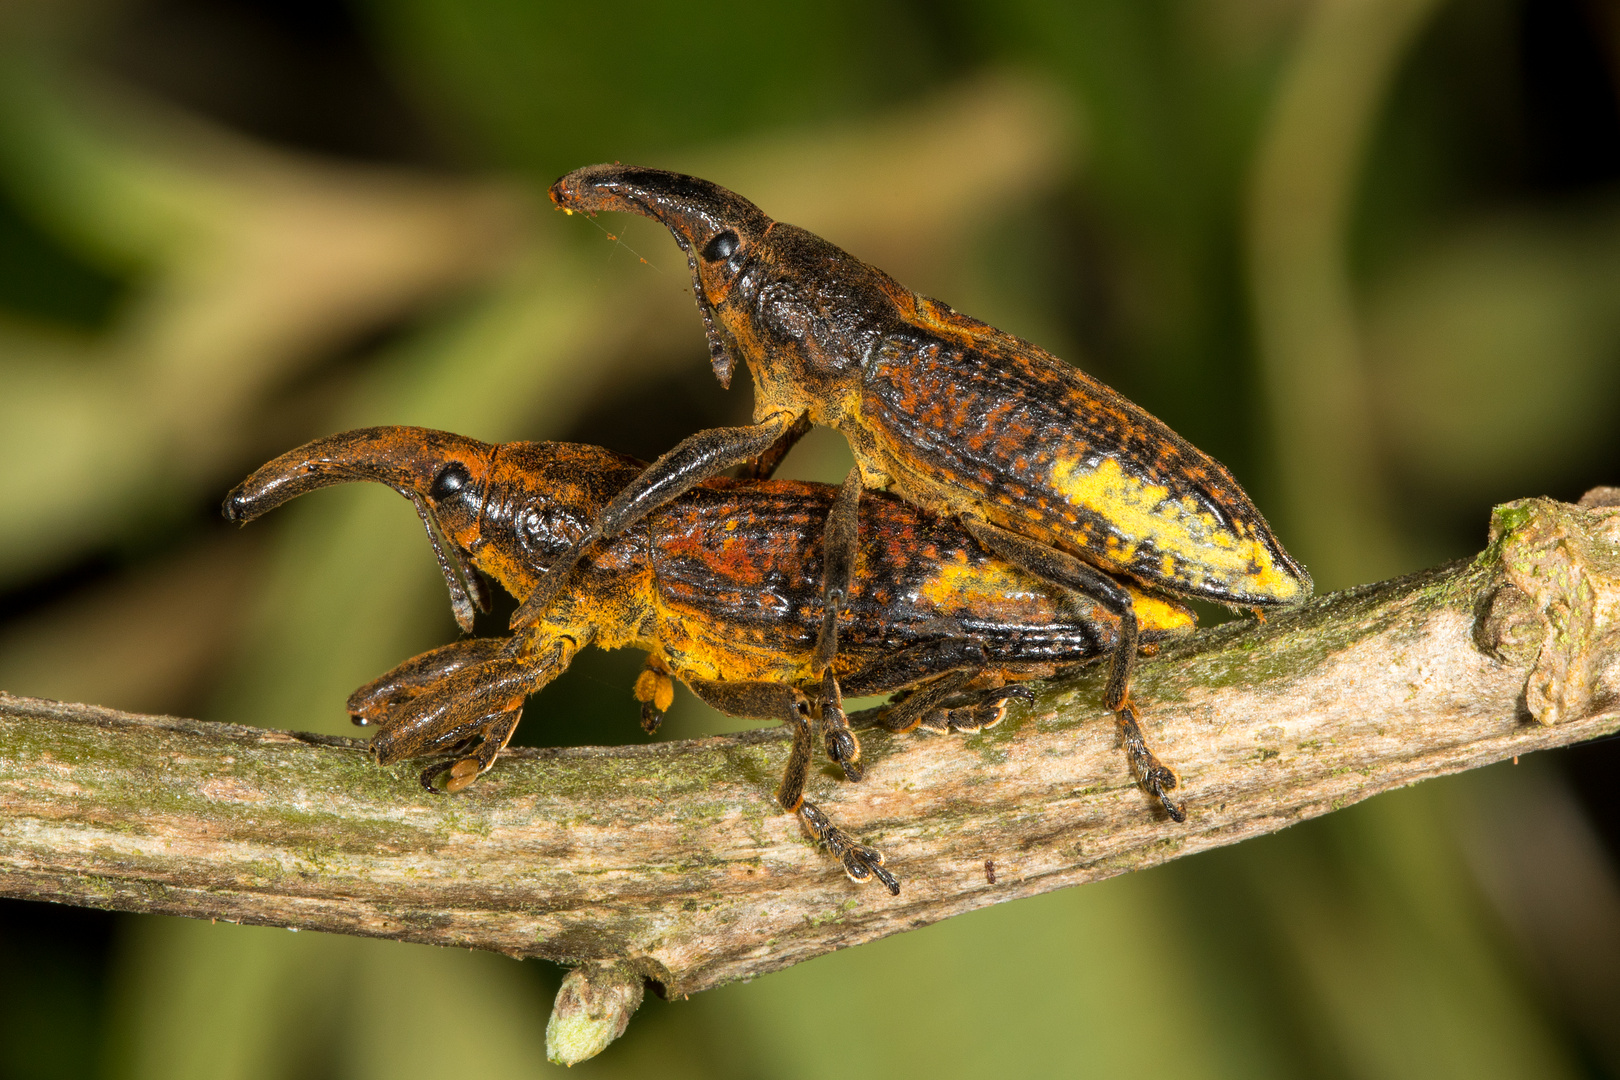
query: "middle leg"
786, 703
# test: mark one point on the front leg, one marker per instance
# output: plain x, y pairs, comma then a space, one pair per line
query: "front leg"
468, 709
419, 675
694, 460
764, 466
783, 702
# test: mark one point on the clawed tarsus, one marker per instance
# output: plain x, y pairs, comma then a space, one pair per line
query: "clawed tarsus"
861, 863
1156, 777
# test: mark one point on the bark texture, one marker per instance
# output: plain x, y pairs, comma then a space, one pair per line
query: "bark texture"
672, 861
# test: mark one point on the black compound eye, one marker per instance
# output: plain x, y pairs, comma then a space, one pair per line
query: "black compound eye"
450, 482
722, 247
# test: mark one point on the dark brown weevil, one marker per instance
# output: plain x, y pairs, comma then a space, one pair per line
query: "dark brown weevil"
723, 589
1042, 464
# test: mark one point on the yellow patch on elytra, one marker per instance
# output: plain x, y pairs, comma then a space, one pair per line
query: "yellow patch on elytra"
956, 584
1204, 551
1153, 613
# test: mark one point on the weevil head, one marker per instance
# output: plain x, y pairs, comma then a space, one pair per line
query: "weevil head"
442, 474
800, 311
717, 229
507, 510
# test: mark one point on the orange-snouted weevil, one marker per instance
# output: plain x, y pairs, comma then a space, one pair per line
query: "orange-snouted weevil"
722, 587
1040, 463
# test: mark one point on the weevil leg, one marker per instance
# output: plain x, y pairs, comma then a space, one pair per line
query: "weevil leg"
924, 703
797, 770
1150, 772
987, 712
930, 713
496, 734
479, 699
837, 566
706, 454
837, 575
656, 692
842, 746
773, 701
764, 466
457, 744
416, 676
861, 863
1064, 569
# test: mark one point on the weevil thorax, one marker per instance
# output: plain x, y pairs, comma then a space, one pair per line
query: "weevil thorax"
536, 504
803, 314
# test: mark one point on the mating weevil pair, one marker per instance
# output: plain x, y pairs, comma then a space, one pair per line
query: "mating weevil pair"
1052, 474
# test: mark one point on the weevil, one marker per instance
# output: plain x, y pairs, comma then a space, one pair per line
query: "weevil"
721, 587
1042, 464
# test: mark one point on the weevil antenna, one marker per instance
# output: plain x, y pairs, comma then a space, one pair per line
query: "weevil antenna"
467, 589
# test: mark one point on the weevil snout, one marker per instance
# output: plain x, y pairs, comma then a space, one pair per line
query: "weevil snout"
718, 229
416, 462
437, 471
698, 212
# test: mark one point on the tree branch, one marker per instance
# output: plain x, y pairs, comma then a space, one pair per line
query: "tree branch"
671, 861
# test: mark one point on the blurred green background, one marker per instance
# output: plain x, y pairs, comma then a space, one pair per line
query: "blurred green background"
1367, 252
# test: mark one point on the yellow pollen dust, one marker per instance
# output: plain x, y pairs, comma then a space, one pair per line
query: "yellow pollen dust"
1166, 616
958, 585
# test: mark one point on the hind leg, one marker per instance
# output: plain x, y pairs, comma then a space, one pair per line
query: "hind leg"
988, 711
1150, 772
1066, 570
928, 708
